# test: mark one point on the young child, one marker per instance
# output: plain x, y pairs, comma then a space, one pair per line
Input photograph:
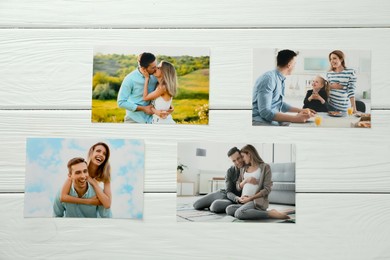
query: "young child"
317, 98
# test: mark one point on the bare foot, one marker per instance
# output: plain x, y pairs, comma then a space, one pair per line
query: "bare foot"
289, 211
276, 214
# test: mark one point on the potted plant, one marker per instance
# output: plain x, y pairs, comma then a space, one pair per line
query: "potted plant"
180, 169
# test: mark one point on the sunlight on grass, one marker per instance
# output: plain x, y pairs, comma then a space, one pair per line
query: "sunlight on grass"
191, 102
107, 111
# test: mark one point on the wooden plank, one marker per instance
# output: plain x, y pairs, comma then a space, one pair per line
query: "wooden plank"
331, 226
46, 66
199, 14
52, 69
328, 160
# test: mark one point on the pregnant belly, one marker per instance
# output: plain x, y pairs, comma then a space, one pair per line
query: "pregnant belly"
249, 189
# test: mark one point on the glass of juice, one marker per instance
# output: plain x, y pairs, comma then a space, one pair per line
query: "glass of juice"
350, 111
318, 120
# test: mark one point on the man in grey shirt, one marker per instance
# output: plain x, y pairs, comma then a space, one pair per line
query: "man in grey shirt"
219, 200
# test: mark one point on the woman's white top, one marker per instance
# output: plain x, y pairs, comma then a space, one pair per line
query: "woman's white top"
161, 104
250, 189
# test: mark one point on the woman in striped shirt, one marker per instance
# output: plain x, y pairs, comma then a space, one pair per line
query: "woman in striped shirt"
342, 82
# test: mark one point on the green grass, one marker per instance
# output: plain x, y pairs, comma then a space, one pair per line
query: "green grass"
194, 85
185, 111
193, 93
107, 111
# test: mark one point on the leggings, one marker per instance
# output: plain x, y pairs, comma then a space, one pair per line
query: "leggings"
216, 201
246, 211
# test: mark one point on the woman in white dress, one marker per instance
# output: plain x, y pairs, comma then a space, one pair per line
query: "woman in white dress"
255, 183
162, 96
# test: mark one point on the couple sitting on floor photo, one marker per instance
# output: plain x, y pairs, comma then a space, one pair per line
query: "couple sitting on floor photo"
248, 184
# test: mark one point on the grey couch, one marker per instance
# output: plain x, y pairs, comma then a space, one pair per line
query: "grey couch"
283, 189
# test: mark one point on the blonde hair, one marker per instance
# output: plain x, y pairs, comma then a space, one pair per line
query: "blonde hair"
325, 84
169, 77
103, 172
252, 152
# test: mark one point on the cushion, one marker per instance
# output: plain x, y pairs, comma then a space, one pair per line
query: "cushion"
283, 172
286, 186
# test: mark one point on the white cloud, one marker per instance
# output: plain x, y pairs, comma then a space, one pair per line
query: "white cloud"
45, 208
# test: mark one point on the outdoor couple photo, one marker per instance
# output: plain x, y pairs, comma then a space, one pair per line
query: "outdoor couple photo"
81, 194
246, 193
147, 92
308, 84
60, 182
150, 88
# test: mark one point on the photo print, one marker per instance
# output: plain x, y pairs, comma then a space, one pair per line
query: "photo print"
150, 85
84, 178
236, 182
311, 88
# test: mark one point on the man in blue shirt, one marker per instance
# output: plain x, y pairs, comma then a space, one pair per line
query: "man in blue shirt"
268, 94
78, 172
130, 94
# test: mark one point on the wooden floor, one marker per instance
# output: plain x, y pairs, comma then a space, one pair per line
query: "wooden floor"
342, 175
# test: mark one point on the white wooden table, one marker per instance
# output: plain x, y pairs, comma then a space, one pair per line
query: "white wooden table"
342, 121
342, 177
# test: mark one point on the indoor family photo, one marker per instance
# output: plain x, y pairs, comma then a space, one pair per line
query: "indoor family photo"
311, 88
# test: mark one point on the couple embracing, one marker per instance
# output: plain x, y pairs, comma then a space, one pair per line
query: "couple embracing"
87, 191
248, 184
147, 92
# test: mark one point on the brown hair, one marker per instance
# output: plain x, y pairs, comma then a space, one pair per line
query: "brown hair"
75, 161
233, 151
254, 155
341, 56
144, 59
103, 172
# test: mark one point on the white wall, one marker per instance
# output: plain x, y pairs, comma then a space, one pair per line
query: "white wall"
216, 158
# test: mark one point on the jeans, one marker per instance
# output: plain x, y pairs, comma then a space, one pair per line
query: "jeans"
273, 123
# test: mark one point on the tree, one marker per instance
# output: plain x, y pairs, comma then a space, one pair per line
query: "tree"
103, 92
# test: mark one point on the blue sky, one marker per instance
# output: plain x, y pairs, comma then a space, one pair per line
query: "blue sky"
46, 171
